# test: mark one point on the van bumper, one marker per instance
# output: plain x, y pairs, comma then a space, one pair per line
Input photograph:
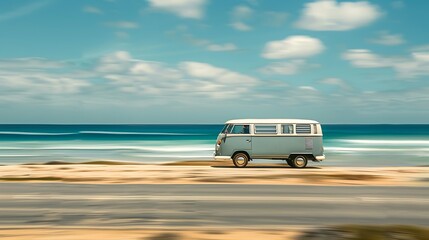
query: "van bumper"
320, 158
222, 158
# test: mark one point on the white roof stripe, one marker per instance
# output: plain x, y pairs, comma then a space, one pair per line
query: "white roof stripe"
270, 121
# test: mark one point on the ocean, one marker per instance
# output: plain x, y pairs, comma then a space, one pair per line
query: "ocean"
345, 145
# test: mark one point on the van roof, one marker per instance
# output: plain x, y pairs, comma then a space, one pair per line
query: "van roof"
270, 121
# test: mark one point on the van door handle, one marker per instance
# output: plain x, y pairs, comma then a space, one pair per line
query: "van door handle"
248, 140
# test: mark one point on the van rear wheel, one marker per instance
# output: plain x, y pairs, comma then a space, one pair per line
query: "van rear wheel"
240, 160
299, 161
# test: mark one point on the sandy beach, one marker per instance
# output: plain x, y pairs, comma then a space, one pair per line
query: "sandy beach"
210, 172
332, 233
149, 234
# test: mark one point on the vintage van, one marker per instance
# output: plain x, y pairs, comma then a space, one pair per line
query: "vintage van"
293, 140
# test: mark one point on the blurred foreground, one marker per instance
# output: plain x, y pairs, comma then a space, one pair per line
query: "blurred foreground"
207, 200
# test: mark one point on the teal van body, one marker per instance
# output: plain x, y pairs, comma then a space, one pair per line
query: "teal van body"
293, 140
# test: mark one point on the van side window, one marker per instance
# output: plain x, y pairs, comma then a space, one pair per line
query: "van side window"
287, 129
265, 129
303, 128
240, 129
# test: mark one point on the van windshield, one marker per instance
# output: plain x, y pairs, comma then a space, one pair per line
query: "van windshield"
225, 128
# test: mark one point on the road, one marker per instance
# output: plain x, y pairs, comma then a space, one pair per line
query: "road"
165, 205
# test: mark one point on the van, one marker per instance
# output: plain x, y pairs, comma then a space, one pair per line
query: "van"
294, 140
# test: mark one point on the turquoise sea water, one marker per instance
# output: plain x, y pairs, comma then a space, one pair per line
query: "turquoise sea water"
345, 145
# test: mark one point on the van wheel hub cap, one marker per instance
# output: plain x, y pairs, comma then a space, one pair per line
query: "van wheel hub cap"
299, 161
240, 160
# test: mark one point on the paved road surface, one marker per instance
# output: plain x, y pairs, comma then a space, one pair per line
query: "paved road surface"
56, 204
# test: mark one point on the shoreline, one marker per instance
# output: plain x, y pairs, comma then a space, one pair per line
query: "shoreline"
211, 172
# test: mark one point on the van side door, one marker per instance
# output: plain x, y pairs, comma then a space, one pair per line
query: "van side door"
266, 142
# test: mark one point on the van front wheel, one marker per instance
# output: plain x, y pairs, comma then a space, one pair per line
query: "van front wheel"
240, 160
299, 161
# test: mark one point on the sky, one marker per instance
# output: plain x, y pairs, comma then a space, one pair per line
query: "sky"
208, 61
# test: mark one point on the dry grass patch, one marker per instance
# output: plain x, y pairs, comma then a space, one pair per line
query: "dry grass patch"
21, 179
364, 232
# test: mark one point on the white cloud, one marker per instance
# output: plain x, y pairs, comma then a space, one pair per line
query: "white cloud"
225, 76
241, 26
183, 8
117, 56
216, 82
31, 83
366, 59
222, 47
381, 102
124, 24
417, 64
120, 66
307, 88
239, 15
142, 68
336, 82
384, 38
30, 63
92, 9
115, 62
293, 47
421, 56
34, 78
328, 15
284, 68
421, 48
121, 80
242, 12
188, 79
414, 66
